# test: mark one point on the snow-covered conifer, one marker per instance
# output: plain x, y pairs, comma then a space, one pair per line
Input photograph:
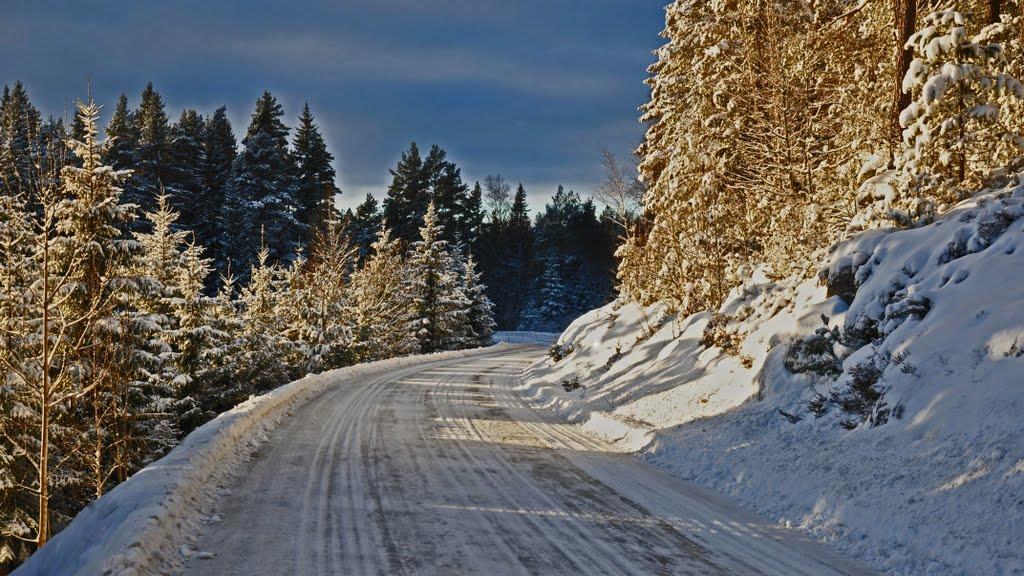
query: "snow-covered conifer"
262, 195
269, 358
172, 273
381, 304
314, 310
185, 162
955, 132
438, 299
121, 391
480, 313
316, 188
211, 205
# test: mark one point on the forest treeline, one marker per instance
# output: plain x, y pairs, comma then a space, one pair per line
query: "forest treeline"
113, 349
155, 273
778, 127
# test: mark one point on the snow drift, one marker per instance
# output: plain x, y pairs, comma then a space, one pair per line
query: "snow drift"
893, 431
138, 526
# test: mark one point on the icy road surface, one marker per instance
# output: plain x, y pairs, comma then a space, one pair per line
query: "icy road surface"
439, 469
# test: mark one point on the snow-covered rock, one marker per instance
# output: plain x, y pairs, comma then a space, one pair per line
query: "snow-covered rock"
932, 482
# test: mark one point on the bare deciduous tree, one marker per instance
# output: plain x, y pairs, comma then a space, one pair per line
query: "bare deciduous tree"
621, 191
498, 197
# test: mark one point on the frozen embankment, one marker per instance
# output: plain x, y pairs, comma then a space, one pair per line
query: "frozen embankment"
894, 434
137, 527
512, 337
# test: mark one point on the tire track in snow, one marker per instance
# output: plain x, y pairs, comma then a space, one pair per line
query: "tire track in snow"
442, 468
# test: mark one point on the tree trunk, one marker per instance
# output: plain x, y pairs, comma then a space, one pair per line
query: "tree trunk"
43, 518
905, 12
994, 11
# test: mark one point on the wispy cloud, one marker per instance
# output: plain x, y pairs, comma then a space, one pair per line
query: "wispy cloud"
530, 88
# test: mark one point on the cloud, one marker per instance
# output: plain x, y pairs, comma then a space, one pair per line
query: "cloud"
531, 88
361, 61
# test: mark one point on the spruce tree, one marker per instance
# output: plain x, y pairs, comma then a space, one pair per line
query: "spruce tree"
150, 172
470, 217
262, 196
268, 358
574, 259
221, 384
194, 340
77, 255
185, 163
172, 272
448, 193
480, 310
517, 261
17, 272
19, 134
123, 134
957, 131
519, 215
381, 304
314, 313
316, 210
407, 197
219, 150
365, 226
116, 361
438, 301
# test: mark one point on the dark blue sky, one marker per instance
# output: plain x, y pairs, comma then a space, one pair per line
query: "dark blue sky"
532, 89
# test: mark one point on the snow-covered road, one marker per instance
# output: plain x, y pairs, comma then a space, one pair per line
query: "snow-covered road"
439, 469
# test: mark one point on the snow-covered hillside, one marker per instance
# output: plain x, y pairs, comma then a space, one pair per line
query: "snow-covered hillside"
895, 433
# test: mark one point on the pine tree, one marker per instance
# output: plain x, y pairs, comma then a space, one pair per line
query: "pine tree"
115, 360
262, 195
150, 173
438, 300
314, 312
365, 226
123, 134
317, 211
19, 134
407, 197
268, 359
172, 304
381, 304
955, 133
185, 163
470, 217
480, 311
219, 150
17, 272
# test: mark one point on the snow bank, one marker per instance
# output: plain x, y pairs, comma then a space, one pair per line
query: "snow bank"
138, 526
936, 486
545, 338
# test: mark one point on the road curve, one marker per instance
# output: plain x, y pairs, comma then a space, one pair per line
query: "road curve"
440, 469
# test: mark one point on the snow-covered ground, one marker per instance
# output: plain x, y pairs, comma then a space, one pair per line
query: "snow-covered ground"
545, 338
932, 483
442, 469
138, 527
